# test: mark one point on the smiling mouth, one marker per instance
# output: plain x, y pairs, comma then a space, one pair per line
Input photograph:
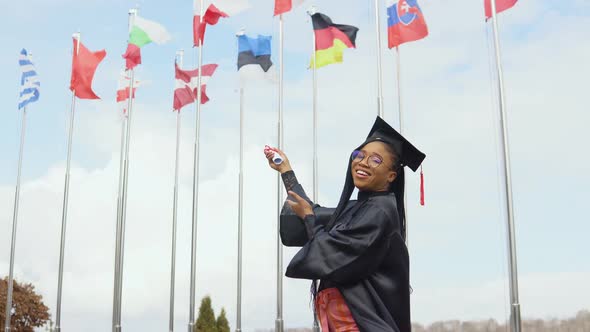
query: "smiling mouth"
362, 174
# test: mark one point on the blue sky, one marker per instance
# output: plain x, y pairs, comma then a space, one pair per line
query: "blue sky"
457, 242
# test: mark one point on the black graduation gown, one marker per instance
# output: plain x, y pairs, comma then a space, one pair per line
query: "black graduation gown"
363, 255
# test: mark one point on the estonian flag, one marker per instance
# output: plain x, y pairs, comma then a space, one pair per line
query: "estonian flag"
254, 58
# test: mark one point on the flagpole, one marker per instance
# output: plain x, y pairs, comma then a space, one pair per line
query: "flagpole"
118, 229
180, 56
64, 216
124, 207
192, 321
240, 200
240, 214
515, 319
14, 224
117, 327
401, 125
279, 319
399, 88
312, 10
379, 65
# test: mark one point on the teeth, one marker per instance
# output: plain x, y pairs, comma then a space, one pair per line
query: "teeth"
362, 173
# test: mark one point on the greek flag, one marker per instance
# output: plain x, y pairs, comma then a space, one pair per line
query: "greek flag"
29, 83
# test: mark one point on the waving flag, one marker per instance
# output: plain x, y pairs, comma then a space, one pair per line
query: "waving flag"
84, 63
331, 40
185, 91
254, 58
215, 10
230, 7
283, 6
123, 91
142, 33
211, 17
29, 82
501, 5
405, 23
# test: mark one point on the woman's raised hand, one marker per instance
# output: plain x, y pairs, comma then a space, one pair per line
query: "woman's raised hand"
283, 167
300, 206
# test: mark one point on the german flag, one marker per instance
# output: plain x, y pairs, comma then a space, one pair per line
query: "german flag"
331, 40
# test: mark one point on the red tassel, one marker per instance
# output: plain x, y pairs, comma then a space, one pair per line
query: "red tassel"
421, 187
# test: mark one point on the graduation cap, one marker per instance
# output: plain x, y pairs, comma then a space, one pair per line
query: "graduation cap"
406, 152
408, 155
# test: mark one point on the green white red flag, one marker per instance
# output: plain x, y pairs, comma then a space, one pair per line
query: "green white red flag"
143, 32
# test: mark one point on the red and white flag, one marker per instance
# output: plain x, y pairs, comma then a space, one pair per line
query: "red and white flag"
123, 91
185, 91
84, 63
215, 10
501, 5
283, 6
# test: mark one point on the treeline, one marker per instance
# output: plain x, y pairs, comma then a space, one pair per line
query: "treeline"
579, 323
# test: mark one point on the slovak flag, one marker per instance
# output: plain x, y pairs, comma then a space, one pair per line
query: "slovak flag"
405, 22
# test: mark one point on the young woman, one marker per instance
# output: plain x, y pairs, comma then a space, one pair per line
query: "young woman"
356, 250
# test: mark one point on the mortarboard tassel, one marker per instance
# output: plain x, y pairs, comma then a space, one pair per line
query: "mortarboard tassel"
421, 187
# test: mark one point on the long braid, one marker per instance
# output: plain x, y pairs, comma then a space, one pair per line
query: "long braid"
398, 187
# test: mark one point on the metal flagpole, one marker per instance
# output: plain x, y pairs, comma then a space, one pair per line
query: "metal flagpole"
118, 229
180, 56
401, 125
64, 217
515, 319
117, 327
379, 65
279, 319
312, 10
240, 213
192, 321
14, 224
240, 200
399, 89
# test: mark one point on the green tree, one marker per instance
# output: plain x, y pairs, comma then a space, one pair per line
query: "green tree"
29, 310
206, 319
222, 323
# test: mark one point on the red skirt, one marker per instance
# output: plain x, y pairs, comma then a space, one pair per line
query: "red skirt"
333, 312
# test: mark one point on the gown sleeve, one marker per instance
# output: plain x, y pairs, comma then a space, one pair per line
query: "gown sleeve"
350, 251
295, 232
